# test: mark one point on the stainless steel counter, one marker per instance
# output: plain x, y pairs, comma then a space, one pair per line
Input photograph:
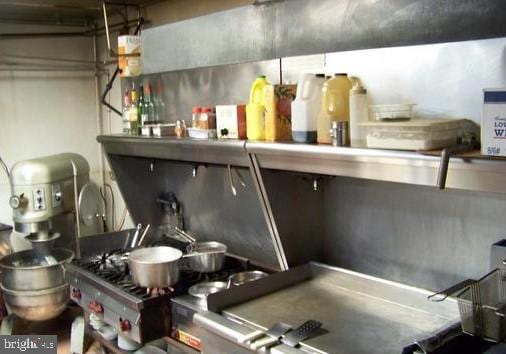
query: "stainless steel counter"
360, 314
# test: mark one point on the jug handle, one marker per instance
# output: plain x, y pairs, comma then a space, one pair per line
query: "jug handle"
307, 81
253, 89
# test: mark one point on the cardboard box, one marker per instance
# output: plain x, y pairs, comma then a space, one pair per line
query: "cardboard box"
493, 122
231, 121
278, 111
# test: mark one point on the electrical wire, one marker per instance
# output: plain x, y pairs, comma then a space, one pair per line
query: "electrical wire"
104, 198
5, 168
123, 218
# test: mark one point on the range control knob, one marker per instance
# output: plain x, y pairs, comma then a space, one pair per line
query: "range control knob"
95, 307
58, 196
76, 294
124, 325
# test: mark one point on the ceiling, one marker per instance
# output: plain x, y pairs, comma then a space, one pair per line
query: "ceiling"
60, 12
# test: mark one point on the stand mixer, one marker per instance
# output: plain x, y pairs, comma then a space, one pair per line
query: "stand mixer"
54, 203
47, 194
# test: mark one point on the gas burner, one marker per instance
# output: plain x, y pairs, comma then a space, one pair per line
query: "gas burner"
154, 292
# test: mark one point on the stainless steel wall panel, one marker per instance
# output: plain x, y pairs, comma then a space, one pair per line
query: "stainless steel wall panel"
299, 27
319, 26
298, 212
415, 235
227, 84
444, 80
239, 35
292, 67
211, 211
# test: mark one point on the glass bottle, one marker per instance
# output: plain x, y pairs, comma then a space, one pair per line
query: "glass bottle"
126, 113
133, 114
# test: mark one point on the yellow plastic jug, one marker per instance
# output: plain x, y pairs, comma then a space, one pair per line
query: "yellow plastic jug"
255, 110
335, 105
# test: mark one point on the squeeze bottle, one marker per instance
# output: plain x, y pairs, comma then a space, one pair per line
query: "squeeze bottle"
358, 113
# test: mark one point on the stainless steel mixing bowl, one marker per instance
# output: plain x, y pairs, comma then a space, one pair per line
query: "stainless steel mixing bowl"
37, 305
28, 270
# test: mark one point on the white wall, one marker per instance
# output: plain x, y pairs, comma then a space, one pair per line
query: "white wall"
46, 112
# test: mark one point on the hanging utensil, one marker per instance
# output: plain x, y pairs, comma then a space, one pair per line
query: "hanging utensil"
136, 235
144, 234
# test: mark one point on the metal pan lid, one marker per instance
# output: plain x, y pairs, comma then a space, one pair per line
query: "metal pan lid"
203, 290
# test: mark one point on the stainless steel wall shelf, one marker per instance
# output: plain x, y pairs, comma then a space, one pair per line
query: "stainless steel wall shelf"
468, 172
171, 148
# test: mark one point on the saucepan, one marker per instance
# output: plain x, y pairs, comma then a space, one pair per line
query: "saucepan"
203, 257
158, 267
155, 267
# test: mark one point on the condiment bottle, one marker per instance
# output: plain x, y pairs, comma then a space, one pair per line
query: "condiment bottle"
358, 113
335, 105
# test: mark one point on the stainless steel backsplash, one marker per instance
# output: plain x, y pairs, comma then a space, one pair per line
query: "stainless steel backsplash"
417, 235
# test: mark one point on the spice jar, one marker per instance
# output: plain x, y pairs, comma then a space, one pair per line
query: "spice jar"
207, 119
196, 111
180, 129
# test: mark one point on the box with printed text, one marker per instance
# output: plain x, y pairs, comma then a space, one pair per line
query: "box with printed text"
493, 122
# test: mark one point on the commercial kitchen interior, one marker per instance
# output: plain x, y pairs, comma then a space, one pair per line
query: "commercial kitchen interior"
344, 244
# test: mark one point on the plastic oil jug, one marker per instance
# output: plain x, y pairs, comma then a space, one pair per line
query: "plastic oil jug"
255, 110
305, 107
335, 105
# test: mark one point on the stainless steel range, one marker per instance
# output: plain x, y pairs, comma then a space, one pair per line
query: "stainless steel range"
101, 284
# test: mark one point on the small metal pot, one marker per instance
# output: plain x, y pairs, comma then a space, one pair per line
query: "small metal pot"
155, 267
206, 257
28, 270
245, 277
37, 305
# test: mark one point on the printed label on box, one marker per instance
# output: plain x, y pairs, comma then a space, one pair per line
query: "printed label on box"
493, 123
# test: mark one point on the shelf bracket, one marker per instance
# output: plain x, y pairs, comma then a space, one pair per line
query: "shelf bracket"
267, 210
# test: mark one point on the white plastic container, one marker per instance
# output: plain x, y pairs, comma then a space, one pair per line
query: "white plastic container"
402, 111
417, 134
306, 106
358, 114
197, 133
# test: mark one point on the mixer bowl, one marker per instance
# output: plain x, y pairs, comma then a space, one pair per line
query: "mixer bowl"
37, 305
28, 270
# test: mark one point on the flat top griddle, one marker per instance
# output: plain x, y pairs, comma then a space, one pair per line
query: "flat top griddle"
361, 314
